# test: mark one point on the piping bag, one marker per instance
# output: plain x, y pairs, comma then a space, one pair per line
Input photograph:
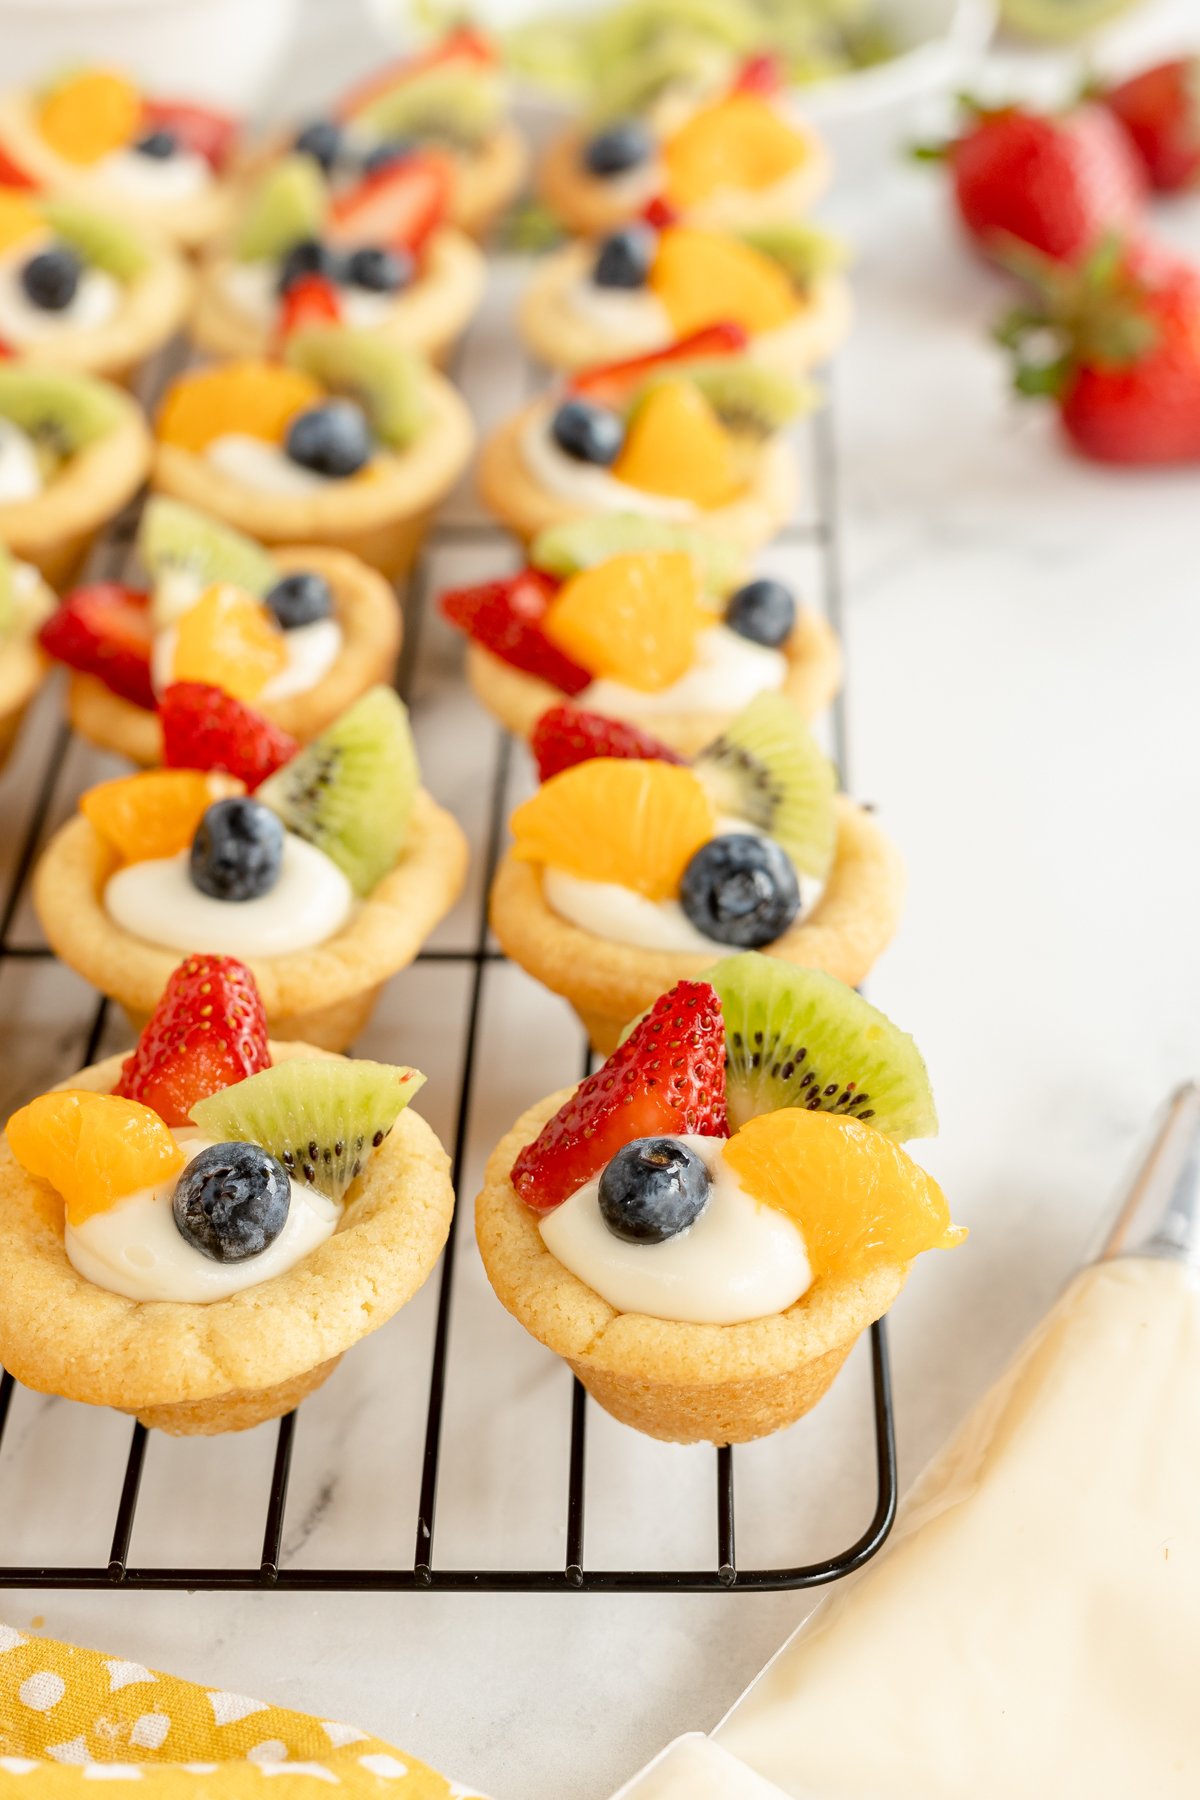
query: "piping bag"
1034, 1625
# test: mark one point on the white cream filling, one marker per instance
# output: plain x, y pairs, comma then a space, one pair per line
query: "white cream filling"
255, 463
176, 177
20, 476
740, 1259
634, 318
728, 672
312, 651
587, 484
136, 1249
97, 298
251, 287
157, 902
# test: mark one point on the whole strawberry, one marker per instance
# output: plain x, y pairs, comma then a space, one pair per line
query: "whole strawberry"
566, 735
205, 728
1160, 109
208, 1031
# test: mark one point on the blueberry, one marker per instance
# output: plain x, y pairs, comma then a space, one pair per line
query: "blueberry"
51, 279
378, 270
617, 148
653, 1189
333, 439
232, 1201
625, 258
322, 140
740, 890
763, 611
159, 145
308, 256
300, 598
237, 851
387, 154
589, 433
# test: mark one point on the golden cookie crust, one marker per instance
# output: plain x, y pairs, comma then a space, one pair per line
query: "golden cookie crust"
22, 670
229, 1363
721, 1384
55, 529
814, 674
553, 332
369, 614
153, 307
609, 983
429, 317
513, 495
328, 989
379, 516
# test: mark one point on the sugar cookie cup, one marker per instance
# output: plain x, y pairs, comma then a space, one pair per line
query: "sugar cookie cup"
610, 983
22, 670
198, 1369
719, 1384
323, 995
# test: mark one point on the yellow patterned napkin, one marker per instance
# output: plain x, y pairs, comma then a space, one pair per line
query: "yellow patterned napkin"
72, 1718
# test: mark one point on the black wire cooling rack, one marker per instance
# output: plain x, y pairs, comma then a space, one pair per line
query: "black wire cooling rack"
572, 1573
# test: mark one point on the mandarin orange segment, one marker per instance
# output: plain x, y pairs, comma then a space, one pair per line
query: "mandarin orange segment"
89, 115
231, 641
677, 446
634, 618
634, 823
259, 399
153, 815
20, 218
739, 142
94, 1148
705, 278
855, 1194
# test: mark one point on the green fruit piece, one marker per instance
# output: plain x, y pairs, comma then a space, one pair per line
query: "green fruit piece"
1059, 21
749, 398
803, 252
767, 767
452, 105
288, 204
351, 790
63, 413
581, 543
321, 1117
797, 1037
675, 58
98, 237
185, 551
387, 382
8, 595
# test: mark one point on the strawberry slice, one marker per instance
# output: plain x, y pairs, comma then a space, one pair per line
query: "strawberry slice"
668, 1077
209, 133
759, 75
208, 1031
611, 383
205, 728
12, 175
660, 213
461, 45
398, 206
310, 300
104, 630
566, 735
505, 617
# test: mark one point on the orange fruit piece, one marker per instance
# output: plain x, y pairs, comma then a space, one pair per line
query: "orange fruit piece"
676, 445
634, 618
153, 815
94, 1148
634, 823
257, 398
90, 114
705, 278
739, 142
20, 218
855, 1194
231, 641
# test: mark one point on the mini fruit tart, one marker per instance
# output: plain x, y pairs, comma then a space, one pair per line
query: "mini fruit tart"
325, 880
640, 288
693, 434
197, 1234
643, 635
705, 1226
301, 632
350, 441
377, 255
91, 135
73, 451
25, 602
80, 289
630, 870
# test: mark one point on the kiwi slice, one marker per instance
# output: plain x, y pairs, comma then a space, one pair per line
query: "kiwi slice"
581, 543
450, 104
1059, 21
797, 1037
320, 1117
629, 86
386, 381
185, 551
767, 767
749, 398
803, 252
98, 237
288, 204
62, 412
351, 790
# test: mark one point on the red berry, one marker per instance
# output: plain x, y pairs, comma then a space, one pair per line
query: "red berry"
12, 175
463, 44
566, 735
505, 618
104, 630
205, 728
310, 300
210, 134
208, 1031
611, 383
759, 75
667, 1077
398, 206
660, 213
1160, 109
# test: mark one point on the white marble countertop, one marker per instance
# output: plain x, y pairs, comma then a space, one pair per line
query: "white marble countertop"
1023, 640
